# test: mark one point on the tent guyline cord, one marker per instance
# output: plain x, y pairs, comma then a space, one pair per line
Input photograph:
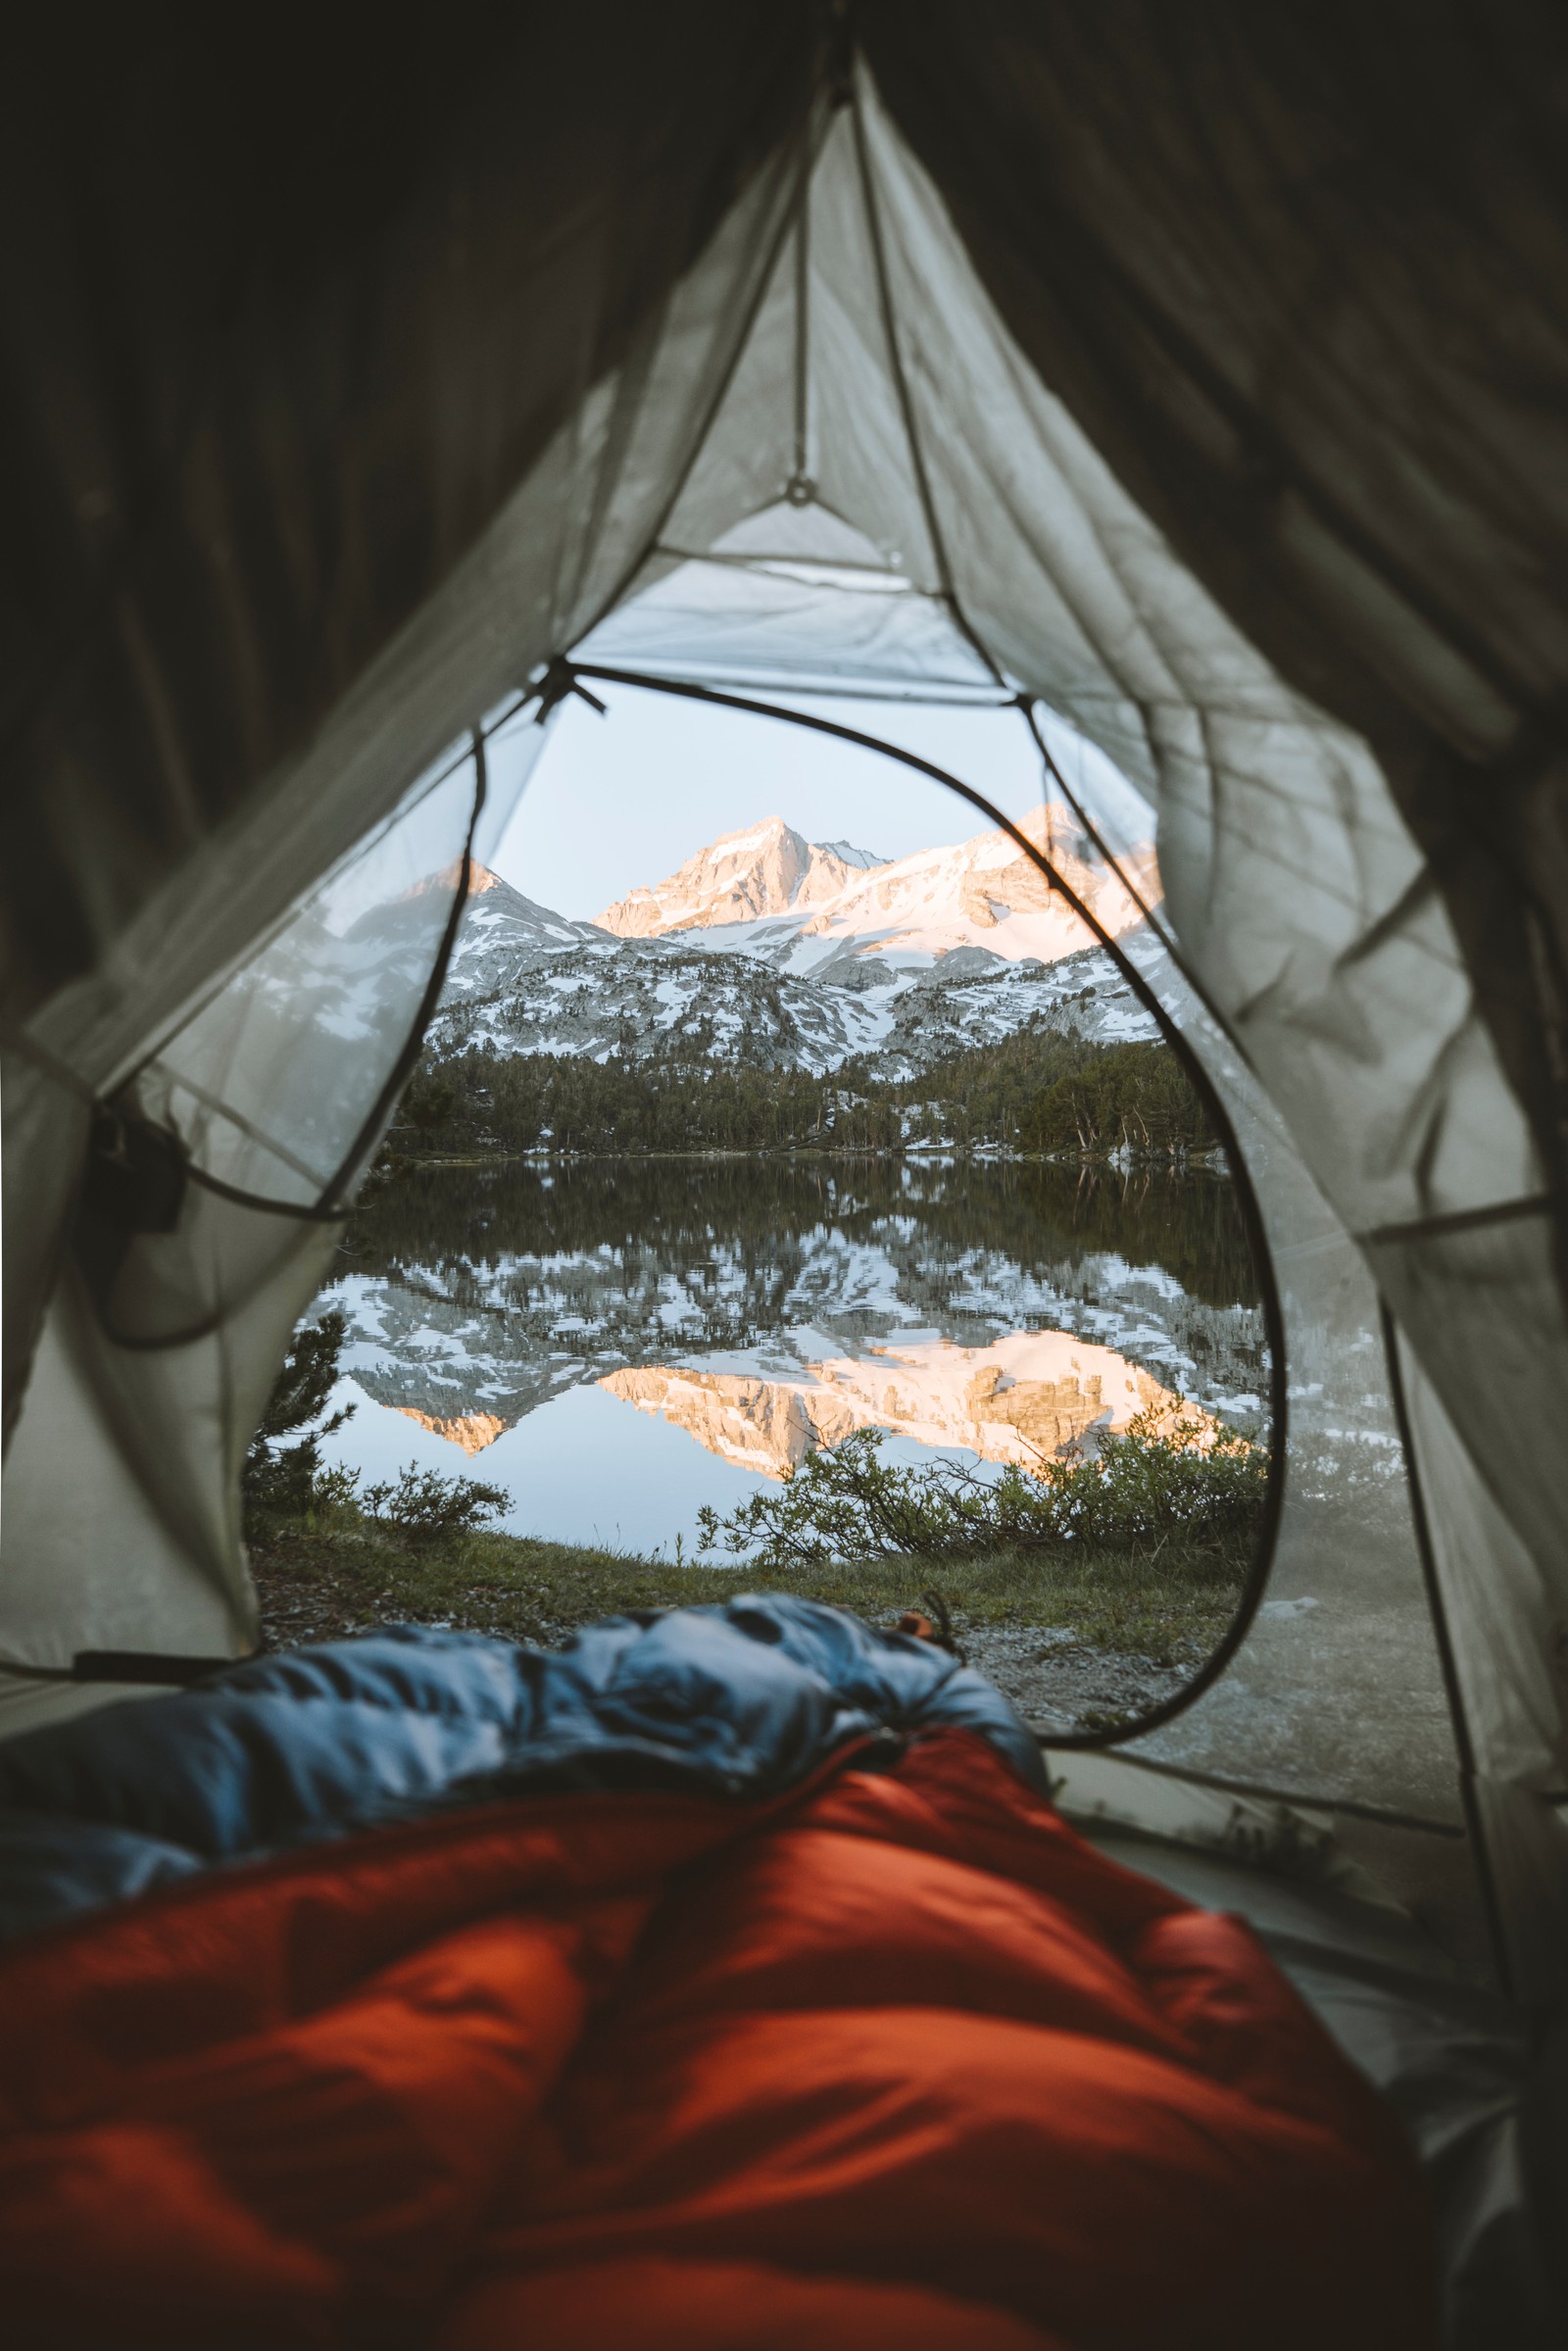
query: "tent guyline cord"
1203, 1085
1437, 1607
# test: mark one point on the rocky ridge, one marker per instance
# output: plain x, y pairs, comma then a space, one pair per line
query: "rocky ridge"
780, 953
822, 910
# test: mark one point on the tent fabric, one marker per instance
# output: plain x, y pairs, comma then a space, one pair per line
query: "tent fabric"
891, 2042
1082, 333
354, 439
1299, 280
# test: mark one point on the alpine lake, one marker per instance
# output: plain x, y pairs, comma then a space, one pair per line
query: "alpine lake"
617, 1343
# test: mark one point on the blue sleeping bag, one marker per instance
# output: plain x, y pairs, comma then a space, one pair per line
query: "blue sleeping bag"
737, 1701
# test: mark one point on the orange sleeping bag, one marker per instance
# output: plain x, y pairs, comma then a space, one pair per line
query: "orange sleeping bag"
897, 2059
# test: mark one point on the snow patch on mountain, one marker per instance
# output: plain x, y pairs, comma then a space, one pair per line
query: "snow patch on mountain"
848, 854
639, 1000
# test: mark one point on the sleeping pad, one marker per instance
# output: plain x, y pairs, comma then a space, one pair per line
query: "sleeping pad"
722, 1983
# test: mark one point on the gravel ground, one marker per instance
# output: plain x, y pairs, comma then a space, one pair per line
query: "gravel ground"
1056, 1680
1053, 1678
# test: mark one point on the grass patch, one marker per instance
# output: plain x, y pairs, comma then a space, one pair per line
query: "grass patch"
333, 1573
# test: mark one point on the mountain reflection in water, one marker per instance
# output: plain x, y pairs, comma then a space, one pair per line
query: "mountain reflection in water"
1000, 1313
1033, 1396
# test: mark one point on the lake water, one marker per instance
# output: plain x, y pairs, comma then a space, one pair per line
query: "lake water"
619, 1343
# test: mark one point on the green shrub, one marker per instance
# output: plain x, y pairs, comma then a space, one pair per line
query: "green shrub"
286, 1481
1189, 1481
424, 1504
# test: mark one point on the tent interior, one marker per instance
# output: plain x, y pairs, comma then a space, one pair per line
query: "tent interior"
1010, 359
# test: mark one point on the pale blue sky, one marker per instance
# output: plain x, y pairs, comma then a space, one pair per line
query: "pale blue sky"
624, 800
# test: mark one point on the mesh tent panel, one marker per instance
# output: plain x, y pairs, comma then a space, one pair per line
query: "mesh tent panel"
162, 1343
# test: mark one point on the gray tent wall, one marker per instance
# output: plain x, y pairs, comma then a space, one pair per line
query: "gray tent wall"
139, 1459
334, 401
1293, 272
1058, 520
916, 451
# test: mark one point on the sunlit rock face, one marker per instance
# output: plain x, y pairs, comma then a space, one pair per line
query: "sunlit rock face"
810, 908
472, 1430
761, 1425
1031, 1397
766, 869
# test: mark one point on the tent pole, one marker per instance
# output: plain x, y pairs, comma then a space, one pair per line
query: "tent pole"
799, 484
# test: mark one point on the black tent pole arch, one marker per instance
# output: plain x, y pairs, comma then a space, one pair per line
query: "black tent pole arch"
1203, 1085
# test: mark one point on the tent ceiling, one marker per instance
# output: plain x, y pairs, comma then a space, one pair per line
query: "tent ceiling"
810, 556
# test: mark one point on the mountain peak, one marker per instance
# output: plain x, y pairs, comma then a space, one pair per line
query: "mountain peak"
805, 903
764, 868
847, 854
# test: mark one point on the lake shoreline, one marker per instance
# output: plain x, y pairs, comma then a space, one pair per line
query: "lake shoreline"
1210, 1163
323, 1583
621, 1343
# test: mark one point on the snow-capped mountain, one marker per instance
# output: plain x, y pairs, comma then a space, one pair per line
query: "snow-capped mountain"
792, 954
637, 998
827, 909
502, 924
